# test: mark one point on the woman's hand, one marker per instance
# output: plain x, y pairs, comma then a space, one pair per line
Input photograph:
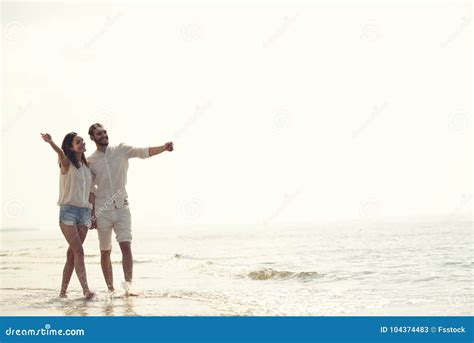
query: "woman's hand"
93, 223
46, 137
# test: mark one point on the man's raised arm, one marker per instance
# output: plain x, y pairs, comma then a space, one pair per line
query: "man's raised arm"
159, 149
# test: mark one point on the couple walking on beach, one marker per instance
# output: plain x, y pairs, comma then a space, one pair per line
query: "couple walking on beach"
92, 195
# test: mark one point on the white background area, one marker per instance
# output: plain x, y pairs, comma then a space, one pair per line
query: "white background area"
280, 113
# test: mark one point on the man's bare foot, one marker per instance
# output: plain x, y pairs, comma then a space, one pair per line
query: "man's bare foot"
89, 295
63, 295
127, 286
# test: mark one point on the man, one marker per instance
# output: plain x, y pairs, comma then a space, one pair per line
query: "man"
109, 166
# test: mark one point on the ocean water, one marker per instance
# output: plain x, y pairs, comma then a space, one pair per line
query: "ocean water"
373, 268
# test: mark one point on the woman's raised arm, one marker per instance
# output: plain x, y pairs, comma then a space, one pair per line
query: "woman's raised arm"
63, 160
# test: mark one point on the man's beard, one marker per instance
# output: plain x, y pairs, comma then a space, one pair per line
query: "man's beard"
105, 143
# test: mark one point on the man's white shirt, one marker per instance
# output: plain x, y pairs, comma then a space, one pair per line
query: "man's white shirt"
109, 175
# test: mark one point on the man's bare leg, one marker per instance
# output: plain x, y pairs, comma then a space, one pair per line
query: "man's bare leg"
127, 260
127, 265
106, 265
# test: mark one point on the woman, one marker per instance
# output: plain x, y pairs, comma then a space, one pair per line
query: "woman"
75, 213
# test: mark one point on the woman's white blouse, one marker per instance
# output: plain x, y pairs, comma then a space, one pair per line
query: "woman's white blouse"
74, 186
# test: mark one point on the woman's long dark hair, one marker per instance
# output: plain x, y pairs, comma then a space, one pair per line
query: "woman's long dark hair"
67, 148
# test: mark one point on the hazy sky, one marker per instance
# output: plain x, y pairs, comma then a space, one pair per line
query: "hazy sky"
284, 113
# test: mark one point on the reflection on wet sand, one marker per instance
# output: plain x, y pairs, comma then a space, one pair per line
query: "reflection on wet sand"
111, 304
108, 306
129, 306
75, 307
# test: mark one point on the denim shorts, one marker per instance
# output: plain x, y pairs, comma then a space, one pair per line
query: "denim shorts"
73, 215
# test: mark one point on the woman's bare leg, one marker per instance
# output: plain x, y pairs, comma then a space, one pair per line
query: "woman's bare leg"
71, 233
69, 265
